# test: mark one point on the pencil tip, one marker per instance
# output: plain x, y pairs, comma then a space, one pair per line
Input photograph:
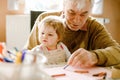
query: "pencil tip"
65, 66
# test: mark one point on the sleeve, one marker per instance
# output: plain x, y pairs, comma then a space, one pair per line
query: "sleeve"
66, 50
104, 46
32, 40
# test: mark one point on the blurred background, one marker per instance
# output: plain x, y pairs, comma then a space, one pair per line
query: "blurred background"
15, 18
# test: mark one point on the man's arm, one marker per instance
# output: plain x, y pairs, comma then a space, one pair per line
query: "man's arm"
104, 46
102, 49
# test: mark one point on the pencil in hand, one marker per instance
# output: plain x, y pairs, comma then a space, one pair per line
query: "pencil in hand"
65, 66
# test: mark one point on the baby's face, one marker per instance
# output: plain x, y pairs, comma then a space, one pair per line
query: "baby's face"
48, 37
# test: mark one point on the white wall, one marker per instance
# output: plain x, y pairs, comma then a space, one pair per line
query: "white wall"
17, 30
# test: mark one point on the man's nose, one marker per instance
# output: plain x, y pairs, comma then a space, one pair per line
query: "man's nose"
77, 19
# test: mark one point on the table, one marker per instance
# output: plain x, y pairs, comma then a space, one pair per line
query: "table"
10, 71
71, 75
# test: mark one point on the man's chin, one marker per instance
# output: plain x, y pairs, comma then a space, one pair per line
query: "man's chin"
74, 29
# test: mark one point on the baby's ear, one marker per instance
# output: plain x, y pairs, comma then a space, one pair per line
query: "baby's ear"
58, 40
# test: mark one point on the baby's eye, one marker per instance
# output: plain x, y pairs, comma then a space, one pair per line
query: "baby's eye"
42, 33
50, 34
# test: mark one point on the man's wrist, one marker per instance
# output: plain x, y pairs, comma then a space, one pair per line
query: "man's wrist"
95, 58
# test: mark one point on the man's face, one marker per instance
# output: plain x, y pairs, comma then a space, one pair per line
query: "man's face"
76, 15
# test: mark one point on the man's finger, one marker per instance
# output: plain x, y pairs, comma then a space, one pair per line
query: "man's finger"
74, 55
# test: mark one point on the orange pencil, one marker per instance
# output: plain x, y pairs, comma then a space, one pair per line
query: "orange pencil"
100, 74
58, 75
81, 71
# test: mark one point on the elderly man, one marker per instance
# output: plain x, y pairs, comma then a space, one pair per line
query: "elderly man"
88, 40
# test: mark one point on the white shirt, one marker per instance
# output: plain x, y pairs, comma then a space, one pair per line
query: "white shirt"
59, 55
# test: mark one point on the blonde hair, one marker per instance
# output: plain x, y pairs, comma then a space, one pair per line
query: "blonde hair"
55, 22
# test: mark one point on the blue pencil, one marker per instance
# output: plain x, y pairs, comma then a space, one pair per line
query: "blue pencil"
65, 66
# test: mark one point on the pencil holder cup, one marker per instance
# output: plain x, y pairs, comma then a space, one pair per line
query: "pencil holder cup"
32, 67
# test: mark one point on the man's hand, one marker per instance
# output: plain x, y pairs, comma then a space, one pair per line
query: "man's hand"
82, 58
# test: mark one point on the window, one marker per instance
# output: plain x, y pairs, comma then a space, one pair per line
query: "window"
98, 7
43, 5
